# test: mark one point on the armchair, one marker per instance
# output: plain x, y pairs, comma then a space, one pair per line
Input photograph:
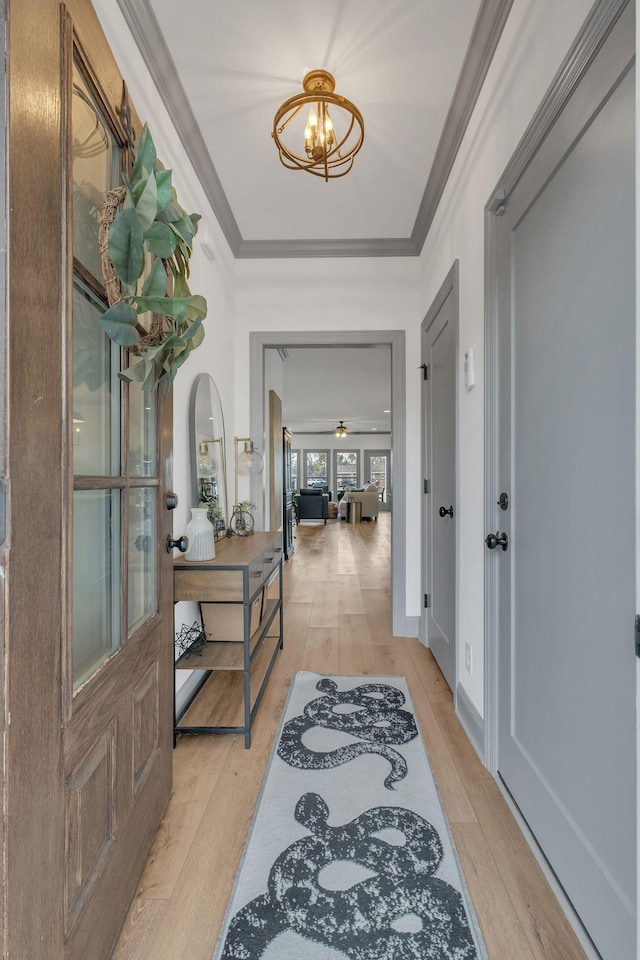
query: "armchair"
311, 505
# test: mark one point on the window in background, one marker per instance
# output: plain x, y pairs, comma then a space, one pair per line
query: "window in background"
295, 469
316, 468
346, 464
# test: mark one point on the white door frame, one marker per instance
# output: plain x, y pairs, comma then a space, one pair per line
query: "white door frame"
395, 339
449, 286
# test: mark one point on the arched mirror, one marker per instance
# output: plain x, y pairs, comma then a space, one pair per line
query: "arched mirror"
208, 462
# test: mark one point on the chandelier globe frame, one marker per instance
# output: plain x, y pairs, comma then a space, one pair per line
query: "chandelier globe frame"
327, 154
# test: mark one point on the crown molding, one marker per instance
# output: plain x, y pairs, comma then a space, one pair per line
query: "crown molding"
486, 34
264, 249
146, 32
487, 30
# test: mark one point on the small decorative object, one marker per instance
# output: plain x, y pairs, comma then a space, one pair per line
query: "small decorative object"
191, 639
242, 522
200, 535
146, 238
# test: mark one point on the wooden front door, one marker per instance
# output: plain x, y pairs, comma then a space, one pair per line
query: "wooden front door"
88, 716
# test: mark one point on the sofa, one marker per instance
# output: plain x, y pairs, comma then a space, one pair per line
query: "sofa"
311, 504
367, 497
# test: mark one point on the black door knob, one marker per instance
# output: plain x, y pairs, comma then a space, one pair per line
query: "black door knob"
497, 539
171, 500
444, 512
180, 544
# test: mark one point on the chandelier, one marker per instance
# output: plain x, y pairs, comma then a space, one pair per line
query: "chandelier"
330, 141
341, 430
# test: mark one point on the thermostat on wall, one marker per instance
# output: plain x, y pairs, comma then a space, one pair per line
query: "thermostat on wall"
469, 368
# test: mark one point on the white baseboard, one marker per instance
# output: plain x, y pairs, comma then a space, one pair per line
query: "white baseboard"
471, 721
412, 627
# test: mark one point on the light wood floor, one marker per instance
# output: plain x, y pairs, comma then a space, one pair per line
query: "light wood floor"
337, 620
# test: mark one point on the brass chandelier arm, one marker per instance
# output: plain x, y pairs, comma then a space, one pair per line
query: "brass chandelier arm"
327, 154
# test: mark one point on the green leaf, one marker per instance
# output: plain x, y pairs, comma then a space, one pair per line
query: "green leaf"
119, 323
197, 337
163, 182
125, 246
145, 159
196, 308
134, 372
171, 213
181, 287
156, 283
195, 217
147, 203
172, 306
160, 240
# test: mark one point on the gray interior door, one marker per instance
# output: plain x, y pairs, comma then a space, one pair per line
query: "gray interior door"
566, 267
439, 420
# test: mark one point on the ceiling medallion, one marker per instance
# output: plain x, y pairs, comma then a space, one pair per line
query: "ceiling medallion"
331, 141
341, 430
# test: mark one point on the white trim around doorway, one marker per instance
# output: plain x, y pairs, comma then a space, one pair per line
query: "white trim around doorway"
363, 338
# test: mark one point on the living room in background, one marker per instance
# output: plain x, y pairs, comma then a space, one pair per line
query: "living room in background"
316, 468
346, 469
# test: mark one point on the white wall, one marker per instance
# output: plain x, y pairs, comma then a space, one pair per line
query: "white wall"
373, 294
212, 278
536, 38
341, 295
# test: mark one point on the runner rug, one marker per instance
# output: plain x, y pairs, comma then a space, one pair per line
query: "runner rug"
349, 856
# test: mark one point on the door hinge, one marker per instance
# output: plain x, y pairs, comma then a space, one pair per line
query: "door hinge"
637, 635
427, 600
425, 370
427, 486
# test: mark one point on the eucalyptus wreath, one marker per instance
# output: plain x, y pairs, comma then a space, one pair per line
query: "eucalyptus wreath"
146, 241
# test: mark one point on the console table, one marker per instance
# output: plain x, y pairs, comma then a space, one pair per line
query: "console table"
240, 598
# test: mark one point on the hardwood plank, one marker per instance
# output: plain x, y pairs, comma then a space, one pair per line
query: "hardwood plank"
503, 933
321, 650
547, 929
140, 928
191, 794
216, 781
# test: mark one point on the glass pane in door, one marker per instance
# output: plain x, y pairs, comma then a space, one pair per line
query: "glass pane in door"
142, 556
95, 158
96, 390
142, 432
96, 580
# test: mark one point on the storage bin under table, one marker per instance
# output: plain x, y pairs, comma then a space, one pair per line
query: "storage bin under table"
240, 598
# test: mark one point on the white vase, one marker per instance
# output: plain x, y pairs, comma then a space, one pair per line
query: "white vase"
202, 544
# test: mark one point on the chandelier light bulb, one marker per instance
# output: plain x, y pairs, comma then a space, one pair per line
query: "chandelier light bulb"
328, 151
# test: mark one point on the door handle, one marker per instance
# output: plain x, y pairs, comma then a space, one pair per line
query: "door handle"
180, 544
171, 500
494, 540
444, 512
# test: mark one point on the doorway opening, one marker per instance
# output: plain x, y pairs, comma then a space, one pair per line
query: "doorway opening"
395, 339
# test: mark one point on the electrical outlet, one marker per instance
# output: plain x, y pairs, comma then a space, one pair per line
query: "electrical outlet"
467, 659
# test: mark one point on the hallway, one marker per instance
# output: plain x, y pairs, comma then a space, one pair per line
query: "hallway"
337, 615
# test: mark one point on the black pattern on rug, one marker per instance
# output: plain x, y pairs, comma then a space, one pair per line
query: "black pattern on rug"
404, 912
375, 718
